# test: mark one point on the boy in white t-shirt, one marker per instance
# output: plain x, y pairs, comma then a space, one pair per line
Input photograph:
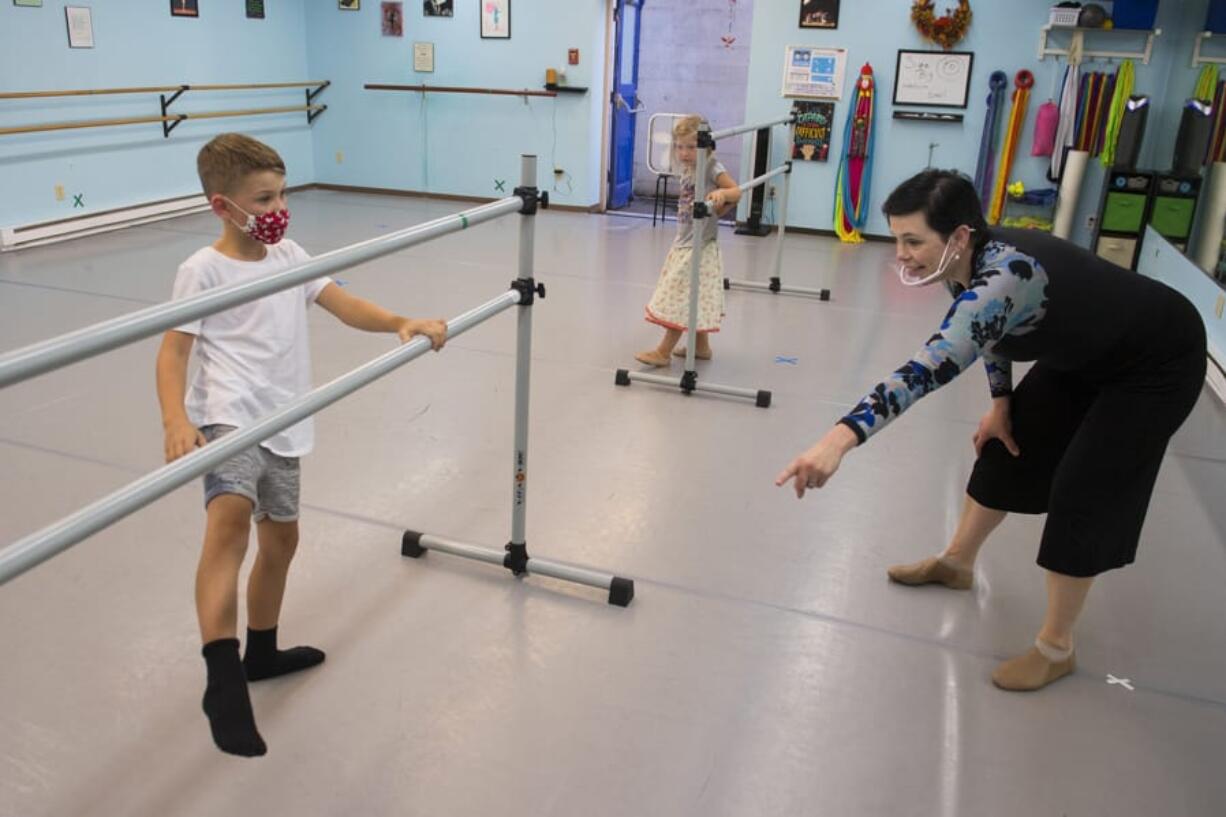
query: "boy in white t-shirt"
254, 359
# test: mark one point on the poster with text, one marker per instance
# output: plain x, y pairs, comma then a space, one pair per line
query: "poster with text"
815, 73
813, 123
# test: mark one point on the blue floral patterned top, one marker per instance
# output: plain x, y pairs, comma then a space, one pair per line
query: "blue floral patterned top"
1007, 298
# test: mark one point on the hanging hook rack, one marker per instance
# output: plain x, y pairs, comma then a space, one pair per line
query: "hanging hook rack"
1077, 43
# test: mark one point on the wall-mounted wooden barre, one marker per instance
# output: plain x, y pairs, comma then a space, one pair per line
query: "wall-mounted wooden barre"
312, 110
160, 89
442, 89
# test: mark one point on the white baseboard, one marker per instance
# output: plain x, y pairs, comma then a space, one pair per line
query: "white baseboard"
49, 232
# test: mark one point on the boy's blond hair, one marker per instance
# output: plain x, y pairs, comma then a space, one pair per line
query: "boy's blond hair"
228, 158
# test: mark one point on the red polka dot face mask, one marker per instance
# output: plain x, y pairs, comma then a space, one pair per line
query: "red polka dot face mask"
267, 228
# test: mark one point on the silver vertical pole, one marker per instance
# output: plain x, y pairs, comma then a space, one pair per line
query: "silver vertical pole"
782, 217
523, 360
696, 245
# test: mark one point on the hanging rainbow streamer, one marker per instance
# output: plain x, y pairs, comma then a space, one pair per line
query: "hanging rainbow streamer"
1123, 89
1022, 83
851, 188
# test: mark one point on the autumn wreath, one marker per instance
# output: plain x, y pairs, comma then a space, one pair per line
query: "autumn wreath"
946, 31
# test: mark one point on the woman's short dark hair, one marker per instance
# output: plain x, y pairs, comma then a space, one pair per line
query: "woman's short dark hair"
947, 199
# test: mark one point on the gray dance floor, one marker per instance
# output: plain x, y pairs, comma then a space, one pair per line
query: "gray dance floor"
766, 667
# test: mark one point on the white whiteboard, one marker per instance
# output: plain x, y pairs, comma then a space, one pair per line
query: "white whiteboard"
937, 78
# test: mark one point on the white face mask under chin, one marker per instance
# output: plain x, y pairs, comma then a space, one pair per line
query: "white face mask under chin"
910, 281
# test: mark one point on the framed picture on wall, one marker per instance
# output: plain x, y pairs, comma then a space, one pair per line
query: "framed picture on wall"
393, 19
31, 3
349, 5
80, 27
819, 13
813, 73
255, 9
438, 8
936, 79
496, 19
184, 8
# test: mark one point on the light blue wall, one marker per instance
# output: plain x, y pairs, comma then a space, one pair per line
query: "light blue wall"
139, 43
1003, 36
459, 144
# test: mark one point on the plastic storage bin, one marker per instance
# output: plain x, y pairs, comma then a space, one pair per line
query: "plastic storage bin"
1135, 14
1215, 21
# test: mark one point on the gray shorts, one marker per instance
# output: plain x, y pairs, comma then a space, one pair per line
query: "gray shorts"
270, 481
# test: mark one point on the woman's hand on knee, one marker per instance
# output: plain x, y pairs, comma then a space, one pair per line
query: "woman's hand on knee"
996, 425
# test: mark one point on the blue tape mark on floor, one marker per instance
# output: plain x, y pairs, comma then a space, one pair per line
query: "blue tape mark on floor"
790, 361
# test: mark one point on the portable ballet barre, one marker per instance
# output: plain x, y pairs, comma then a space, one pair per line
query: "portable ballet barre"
689, 378
775, 284
37, 547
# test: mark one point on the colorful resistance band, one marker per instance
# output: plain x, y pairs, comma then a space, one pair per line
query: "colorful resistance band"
1218, 143
1124, 78
1066, 131
852, 186
997, 83
1022, 83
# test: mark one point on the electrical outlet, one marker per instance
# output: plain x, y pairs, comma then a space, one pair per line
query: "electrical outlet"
340, 157
1091, 222
59, 192
770, 192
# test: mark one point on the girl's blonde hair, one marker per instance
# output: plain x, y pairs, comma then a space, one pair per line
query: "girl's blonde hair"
686, 126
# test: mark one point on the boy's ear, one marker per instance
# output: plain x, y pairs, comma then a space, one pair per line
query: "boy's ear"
217, 203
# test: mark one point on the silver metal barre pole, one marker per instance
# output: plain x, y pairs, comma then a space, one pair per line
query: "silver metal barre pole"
724, 134
698, 245
38, 358
764, 178
782, 217
758, 286
761, 397
523, 365
539, 567
31, 550
514, 556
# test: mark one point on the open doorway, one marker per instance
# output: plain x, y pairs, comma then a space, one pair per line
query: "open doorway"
672, 56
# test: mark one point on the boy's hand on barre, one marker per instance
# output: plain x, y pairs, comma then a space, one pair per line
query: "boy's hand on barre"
181, 439
435, 330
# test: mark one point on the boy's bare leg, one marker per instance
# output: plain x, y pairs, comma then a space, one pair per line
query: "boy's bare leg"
265, 591
659, 356
954, 567
226, 701
227, 529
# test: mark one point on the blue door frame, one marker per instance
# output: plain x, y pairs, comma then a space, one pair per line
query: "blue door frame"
627, 15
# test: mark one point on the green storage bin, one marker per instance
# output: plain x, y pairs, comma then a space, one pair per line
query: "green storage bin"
1173, 217
1124, 212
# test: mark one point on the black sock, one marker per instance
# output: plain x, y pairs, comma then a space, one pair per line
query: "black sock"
227, 703
263, 659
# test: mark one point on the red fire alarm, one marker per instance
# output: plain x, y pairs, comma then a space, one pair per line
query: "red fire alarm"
573, 55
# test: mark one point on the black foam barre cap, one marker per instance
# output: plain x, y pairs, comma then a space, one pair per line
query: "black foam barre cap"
621, 591
410, 545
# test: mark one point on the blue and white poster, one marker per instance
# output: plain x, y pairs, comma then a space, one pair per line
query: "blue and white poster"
814, 73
